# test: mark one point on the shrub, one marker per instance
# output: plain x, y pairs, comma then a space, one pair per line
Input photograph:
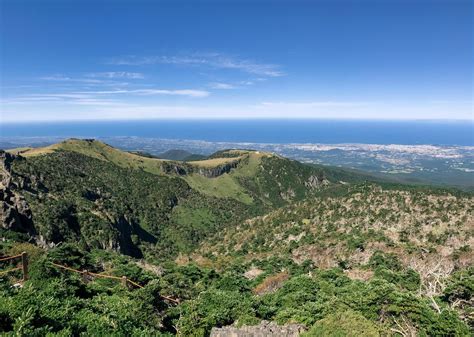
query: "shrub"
344, 324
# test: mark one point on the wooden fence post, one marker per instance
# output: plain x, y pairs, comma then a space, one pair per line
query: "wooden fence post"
85, 276
24, 265
124, 281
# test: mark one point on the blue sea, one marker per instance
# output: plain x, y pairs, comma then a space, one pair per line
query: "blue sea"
261, 131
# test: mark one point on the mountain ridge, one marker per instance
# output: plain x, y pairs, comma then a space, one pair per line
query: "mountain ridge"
76, 184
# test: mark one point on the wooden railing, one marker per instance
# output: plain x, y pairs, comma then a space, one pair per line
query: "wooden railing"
23, 267
86, 275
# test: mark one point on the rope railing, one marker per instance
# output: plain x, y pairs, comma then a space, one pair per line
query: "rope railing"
125, 281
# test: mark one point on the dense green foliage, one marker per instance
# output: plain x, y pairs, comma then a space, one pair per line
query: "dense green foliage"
107, 206
267, 239
79, 192
59, 303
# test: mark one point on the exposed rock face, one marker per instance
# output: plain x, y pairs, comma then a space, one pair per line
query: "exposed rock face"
288, 195
315, 182
15, 214
175, 168
264, 329
211, 172
218, 170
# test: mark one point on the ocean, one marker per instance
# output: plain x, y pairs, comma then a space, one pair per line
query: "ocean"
261, 131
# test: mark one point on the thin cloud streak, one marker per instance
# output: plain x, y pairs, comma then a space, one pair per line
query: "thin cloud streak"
96, 98
224, 86
90, 80
213, 60
117, 74
148, 92
63, 78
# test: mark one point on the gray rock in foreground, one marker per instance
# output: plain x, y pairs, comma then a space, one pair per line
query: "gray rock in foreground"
264, 329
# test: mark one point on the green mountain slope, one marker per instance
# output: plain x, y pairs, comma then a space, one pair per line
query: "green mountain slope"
237, 238
347, 229
87, 191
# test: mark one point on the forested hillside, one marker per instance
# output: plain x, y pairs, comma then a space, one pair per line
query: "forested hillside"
237, 238
101, 197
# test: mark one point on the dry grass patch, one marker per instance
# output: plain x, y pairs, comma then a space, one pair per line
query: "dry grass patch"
271, 283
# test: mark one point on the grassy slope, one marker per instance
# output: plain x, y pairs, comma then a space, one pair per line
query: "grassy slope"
98, 150
224, 186
102, 151
228, 185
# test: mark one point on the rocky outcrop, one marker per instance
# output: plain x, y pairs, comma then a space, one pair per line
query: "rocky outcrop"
214, 172
316, 182
15, 213
183, 169
264, 329
288, 195
180, 169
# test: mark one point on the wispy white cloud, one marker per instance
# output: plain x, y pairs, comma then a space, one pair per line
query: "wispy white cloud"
225, 85
220, 85
214, 60
56, 77
64, 78
246, 82
93, 79
148, 92
117, 74
98, 102
94, 99
101, 97
57, 95
52, 101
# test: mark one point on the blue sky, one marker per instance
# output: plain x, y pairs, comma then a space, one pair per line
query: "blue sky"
78, 60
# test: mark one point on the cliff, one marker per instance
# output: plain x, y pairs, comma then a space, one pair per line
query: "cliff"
15, 213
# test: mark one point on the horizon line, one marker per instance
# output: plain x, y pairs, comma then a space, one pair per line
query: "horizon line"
197, 119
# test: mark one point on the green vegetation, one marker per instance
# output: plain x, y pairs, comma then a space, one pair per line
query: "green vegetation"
59, 303
345, 226
181, 155
344, 323
102, 205
224, 186
238, 238
87, 191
